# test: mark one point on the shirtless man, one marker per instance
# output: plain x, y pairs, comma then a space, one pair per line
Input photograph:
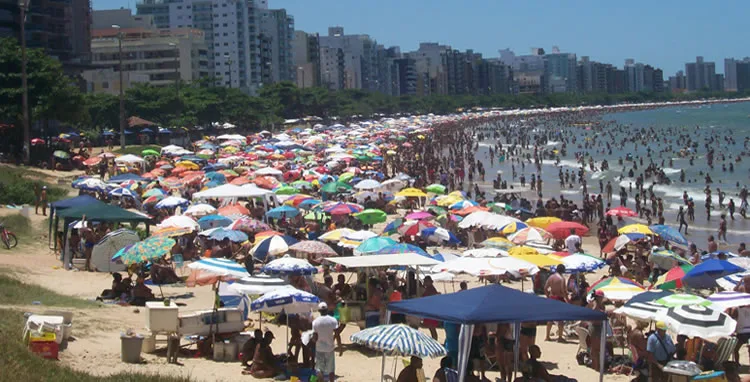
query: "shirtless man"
556, 289
89, 238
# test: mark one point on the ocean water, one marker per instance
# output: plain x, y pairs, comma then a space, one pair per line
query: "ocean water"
676, 134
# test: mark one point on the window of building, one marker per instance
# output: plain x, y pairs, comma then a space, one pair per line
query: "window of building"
226, 44
225, 24
179, 7
225, 33
105, 85
224, 15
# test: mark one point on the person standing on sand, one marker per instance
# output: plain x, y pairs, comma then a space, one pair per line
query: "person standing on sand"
323, 336
556, 289
723, 228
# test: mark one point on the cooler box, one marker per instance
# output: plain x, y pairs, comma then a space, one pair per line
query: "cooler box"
45, 346
161, 318
229, 320
225, 351
711, 376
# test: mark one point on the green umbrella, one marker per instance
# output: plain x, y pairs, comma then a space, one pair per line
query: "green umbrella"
436, 189
371, 216
286, 190
437, 210
345, 177
61, 154
335, 187
302, 184
150, 152
146, 250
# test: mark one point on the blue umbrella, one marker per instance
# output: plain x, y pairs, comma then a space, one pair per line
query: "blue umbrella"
233, 235
289, 299
309, 203
399, 340
704, 275
108, 134
392, 227
147, 131
402, 248
213, 221
286, 211
441, 233
164, 131
123, 192
273, 245
375, 244
216, 177
669, 233
289, 266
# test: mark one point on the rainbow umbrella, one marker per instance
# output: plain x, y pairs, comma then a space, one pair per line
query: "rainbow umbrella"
617, 288
673, 278
343, 208
172, 231
513, 228
146, 250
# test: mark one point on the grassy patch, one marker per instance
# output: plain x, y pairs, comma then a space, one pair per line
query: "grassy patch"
19, 364
17, 188
16, 292
137, 149
18, 224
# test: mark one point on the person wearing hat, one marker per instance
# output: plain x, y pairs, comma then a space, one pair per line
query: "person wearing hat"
324, 328
662, 349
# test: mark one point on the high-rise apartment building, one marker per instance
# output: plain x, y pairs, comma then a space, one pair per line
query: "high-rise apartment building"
306, 54
363, 67
701, 75
276, 54
560, 72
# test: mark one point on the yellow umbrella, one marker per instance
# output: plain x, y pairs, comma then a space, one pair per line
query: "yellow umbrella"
188, 165
449, 200
636, 228
538, 260
542, 222
335, 235
523, 250
411, 192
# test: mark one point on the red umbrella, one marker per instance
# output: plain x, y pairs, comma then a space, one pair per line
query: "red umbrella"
233, 209
561, 230
37, 141
621, 211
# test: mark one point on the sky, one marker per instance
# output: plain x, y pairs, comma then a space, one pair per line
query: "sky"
662, 33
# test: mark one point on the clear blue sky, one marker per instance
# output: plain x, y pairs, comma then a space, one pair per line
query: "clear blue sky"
663, 33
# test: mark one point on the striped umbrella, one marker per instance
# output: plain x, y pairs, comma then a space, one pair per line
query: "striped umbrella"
580, 262
528, 234
288, 298
220, 267
399, 340
274, 245
343, 208
617, 288
729, 299
680, 299
646, 311
146, 250
289, 266
665, 259
354, 239
335, 235
698, 321
731, 281
673, 278
172, 231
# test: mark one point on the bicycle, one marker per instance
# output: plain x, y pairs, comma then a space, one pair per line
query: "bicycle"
8, 238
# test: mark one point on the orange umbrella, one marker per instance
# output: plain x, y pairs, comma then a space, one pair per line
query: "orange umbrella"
92, 161
233, 209
267, 182
179, 170
468, 210
262, 235
240, 181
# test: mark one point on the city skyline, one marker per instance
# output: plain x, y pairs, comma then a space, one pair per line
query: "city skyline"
651, 39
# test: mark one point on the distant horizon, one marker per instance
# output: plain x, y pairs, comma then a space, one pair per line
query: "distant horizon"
664, 34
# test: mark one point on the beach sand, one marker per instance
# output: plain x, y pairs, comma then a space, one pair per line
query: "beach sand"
96, 348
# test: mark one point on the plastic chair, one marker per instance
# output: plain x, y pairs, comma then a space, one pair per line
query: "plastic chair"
583, 335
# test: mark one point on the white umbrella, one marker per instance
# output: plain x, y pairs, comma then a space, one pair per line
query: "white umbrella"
200, 209
220, 267
269, 171
289, 299
180, 221
729, 299
123, 192
731, 281
698, 321
171, 201
258, 284
487, 220
289, 266
487, 266
354, 239
485, 252
581, 263
367, 184
393, 185
647, 311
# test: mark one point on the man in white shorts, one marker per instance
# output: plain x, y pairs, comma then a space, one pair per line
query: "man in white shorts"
323, 335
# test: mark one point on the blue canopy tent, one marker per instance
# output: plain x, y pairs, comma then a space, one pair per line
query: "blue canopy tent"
490, 304
60, 205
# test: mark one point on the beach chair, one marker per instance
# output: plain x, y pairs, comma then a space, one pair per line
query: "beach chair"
583, 335
488, 351
724, 350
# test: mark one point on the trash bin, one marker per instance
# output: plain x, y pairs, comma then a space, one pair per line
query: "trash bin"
130, 351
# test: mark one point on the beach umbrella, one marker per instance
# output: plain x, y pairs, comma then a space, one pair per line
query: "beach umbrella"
233, 209
621, 211
461, 204
287, 299
249, 225
201, 209
484, 252
419, 215
335, 188
179, 221
61, 154
680, 299
523, 250
729, 299
579, 262
529, 234
704, 275
731, 281
488, 266
313, 247
289, 266
371, 216
147, 250
672, 279
392, 227
651, 295
411, 193
274, 245
120, 192
669, 233
367, 184
309, 203
295, 200
436, 189
342, 208
413, 227
616, 288
538, 260
487, 220
401, 248
257, 285
621, 241
214, 221
542, 222
498, 242
561, 229
154, 192
224, 268
336, 234
234, 236
283, 211
665, 259
172, 231
171, 202
399, 340
373, 245
513, 228
150, 152
90, 184
698, 321
635, 228
441, 233
645, 311
286, 190
354, 239
742, 262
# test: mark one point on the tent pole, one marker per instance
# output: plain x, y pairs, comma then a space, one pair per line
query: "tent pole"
382, 365
464, 345
603, 348
516, 346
